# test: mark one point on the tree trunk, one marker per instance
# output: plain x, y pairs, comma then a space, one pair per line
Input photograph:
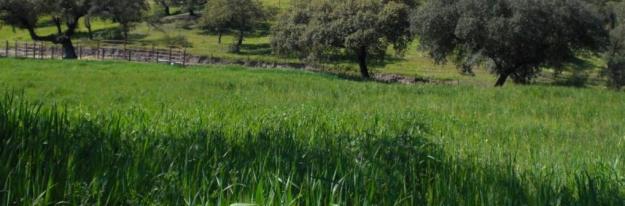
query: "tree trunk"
239, 43
166, 10
362, 61
191, 12
89, 29
503, 77
68, 49
125, 30
57, 23
220, 34
165, 6
90, 32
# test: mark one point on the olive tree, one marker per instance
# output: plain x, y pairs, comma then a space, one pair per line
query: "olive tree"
514, 38
241, 16
25, 14
126, 13
362, 28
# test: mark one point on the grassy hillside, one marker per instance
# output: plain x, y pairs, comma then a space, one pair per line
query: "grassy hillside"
155, 134
179, 30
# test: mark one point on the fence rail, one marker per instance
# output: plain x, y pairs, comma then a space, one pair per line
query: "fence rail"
176, 56
41, 50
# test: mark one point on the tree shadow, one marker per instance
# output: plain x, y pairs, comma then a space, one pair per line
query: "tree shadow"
112, 33
256, 49
574, 74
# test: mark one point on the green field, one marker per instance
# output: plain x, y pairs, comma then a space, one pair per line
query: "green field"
113, 133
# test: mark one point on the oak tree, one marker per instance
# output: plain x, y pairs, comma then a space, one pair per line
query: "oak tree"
240, 16
514, 38
362, 28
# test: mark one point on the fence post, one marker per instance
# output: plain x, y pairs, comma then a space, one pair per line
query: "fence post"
184, 57
16, 48
97, 52
129, 54
151, 53
32, 48
6, 48
52, 50
170, 50
79, 51
42, 51
156, 57
125, 53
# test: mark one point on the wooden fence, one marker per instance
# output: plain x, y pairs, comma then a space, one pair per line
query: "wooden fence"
102, 51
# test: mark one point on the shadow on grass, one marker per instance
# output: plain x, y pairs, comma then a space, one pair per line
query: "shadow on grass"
344, 164
575, 74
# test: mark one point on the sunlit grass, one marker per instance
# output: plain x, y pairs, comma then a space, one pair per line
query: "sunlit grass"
126, 133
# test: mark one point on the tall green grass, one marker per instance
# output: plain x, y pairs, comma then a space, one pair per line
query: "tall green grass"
106, 133
50, 156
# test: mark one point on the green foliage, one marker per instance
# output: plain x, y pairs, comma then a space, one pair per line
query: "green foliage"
364, 28
26, 15
517, 38
127, 13
239, 15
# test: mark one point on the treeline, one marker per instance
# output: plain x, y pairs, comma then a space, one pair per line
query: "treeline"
515, 39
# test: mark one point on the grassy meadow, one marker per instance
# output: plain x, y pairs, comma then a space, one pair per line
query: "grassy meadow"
115, 133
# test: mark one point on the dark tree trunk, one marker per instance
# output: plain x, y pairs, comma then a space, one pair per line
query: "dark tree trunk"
65, 39
125, 30
239, 43
89, 32
165, 6
89, 29
191, 12
220, 34
166, 10
57, 23
503, 77
362, 62
69, 52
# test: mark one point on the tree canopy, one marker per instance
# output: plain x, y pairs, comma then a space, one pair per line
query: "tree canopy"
364, 28
241, 16
126, 13
515, 38
187, 5
26, 14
